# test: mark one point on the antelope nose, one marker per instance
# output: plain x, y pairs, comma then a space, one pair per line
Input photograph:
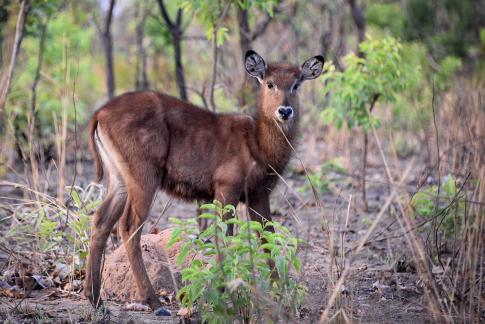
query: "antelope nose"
285, 112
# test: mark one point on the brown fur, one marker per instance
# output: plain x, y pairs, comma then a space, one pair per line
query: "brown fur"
149, 141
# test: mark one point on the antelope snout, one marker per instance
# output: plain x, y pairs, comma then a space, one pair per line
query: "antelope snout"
284, 113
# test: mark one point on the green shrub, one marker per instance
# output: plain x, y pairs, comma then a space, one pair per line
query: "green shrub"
386, 16
68, 77
380, 75
448, 207
47, 227
321, 179
228, 277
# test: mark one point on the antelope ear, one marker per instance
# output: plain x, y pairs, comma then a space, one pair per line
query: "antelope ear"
312, 68
255, 65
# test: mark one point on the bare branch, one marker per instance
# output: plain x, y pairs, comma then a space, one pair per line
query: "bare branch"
261, 27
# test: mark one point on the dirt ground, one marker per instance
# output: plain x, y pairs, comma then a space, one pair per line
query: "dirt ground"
381, 287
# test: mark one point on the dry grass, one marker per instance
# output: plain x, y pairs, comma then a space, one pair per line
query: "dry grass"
452, 278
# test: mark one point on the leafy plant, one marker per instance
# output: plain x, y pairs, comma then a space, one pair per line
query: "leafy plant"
318, 181
386, 16
210, 12
60, 86
377, 73
229, 277
334, 165
53, 229
448, 204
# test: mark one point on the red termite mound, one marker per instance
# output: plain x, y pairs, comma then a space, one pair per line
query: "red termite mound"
118, 281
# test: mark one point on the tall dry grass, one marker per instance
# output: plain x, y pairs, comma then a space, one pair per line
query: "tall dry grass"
451, 270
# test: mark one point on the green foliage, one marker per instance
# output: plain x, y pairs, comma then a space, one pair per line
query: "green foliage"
322, 178
449, 206
66, 68
228, 277
379, 75
411, 109
482, 39
334, 165
387, 16
449, 66
319, 181
210, 11
447, 27
53, 229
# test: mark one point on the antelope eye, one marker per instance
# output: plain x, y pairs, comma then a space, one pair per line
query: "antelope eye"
270, 85
296, 86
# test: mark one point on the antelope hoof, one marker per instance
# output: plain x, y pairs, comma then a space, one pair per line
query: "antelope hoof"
162, 312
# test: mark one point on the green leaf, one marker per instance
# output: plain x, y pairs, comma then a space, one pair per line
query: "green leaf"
175, 237
297, 264
207, 216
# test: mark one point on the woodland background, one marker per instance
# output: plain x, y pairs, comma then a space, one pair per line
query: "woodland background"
392, 139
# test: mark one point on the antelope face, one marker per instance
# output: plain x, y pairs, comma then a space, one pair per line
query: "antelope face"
280, 84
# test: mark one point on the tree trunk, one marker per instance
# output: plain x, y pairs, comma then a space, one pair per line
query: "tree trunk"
108, 51
141, 76
179, 68
7, 79
245, 45
215, 50
359, 21
35, 124
364, 171
327, 29
176, 32
246, 39
4, 14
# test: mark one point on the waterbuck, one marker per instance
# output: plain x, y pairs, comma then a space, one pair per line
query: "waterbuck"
146, 141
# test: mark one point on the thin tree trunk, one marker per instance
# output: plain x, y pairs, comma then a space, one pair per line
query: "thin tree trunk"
364, 171
108, 50
327, 28
176, 32
146, 82
4, 15
212, 86
34, 126
245, 45
246, 39
215, 52
359, 21
141, 77
7, 79
179, 68
364, 157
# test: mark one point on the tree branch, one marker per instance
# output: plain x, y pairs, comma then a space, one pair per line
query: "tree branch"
166, 16
215, 50
261, 27
109, 16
